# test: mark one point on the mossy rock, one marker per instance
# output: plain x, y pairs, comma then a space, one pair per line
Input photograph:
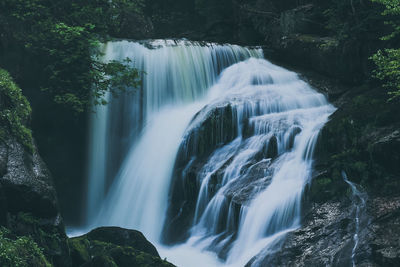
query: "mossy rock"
47, 234
20, 251
362, 139
15, 112
113, 246
79, 250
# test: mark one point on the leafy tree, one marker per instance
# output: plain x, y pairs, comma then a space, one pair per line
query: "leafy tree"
62, 37
388, 60
15, 111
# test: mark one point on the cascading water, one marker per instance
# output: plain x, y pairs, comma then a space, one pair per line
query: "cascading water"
227, 154
359, 199
151, 122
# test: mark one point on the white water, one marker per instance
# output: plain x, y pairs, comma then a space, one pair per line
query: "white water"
274, 105
176, 74
359, 199
182, 79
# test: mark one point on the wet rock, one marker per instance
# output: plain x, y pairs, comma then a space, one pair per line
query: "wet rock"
216, 178
247, 128
295, 130
48, 233
325, 239
272, 148
211, 128
218, 126
112, 246
29, 204
256, 179
26, 182
385, 227
123, 237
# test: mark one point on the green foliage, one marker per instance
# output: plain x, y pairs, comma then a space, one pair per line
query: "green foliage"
388, 70
387, 61
392, 12
15, 111
20, 251
113, 75
62, 38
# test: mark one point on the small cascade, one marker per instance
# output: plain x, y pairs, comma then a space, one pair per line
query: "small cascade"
359, 199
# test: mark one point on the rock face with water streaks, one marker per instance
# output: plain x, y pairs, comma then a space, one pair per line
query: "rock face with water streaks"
219, 127
354, 140
327, 236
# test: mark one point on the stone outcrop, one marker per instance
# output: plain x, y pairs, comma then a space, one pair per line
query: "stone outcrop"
211, 128
113, 246
29, 201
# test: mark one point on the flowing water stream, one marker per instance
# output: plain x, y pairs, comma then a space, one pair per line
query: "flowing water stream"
359, 199
246, 126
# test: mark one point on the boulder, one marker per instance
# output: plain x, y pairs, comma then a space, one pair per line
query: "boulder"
26, 182
113, 246
29, 205
123, 237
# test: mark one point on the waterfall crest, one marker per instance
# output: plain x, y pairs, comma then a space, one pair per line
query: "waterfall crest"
213, 152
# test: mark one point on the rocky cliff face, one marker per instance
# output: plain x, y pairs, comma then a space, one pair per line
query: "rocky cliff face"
362, 140
29, 201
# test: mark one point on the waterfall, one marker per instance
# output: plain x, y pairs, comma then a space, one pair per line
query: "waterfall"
360, 200
143, 128
213, 151
251, 185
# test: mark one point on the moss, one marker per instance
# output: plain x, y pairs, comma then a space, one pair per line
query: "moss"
320, 188
359, 139
103, 261
85, 252
324, 181
27, 218
79, 249
20, 251
328, 43
51, 239
15, 111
